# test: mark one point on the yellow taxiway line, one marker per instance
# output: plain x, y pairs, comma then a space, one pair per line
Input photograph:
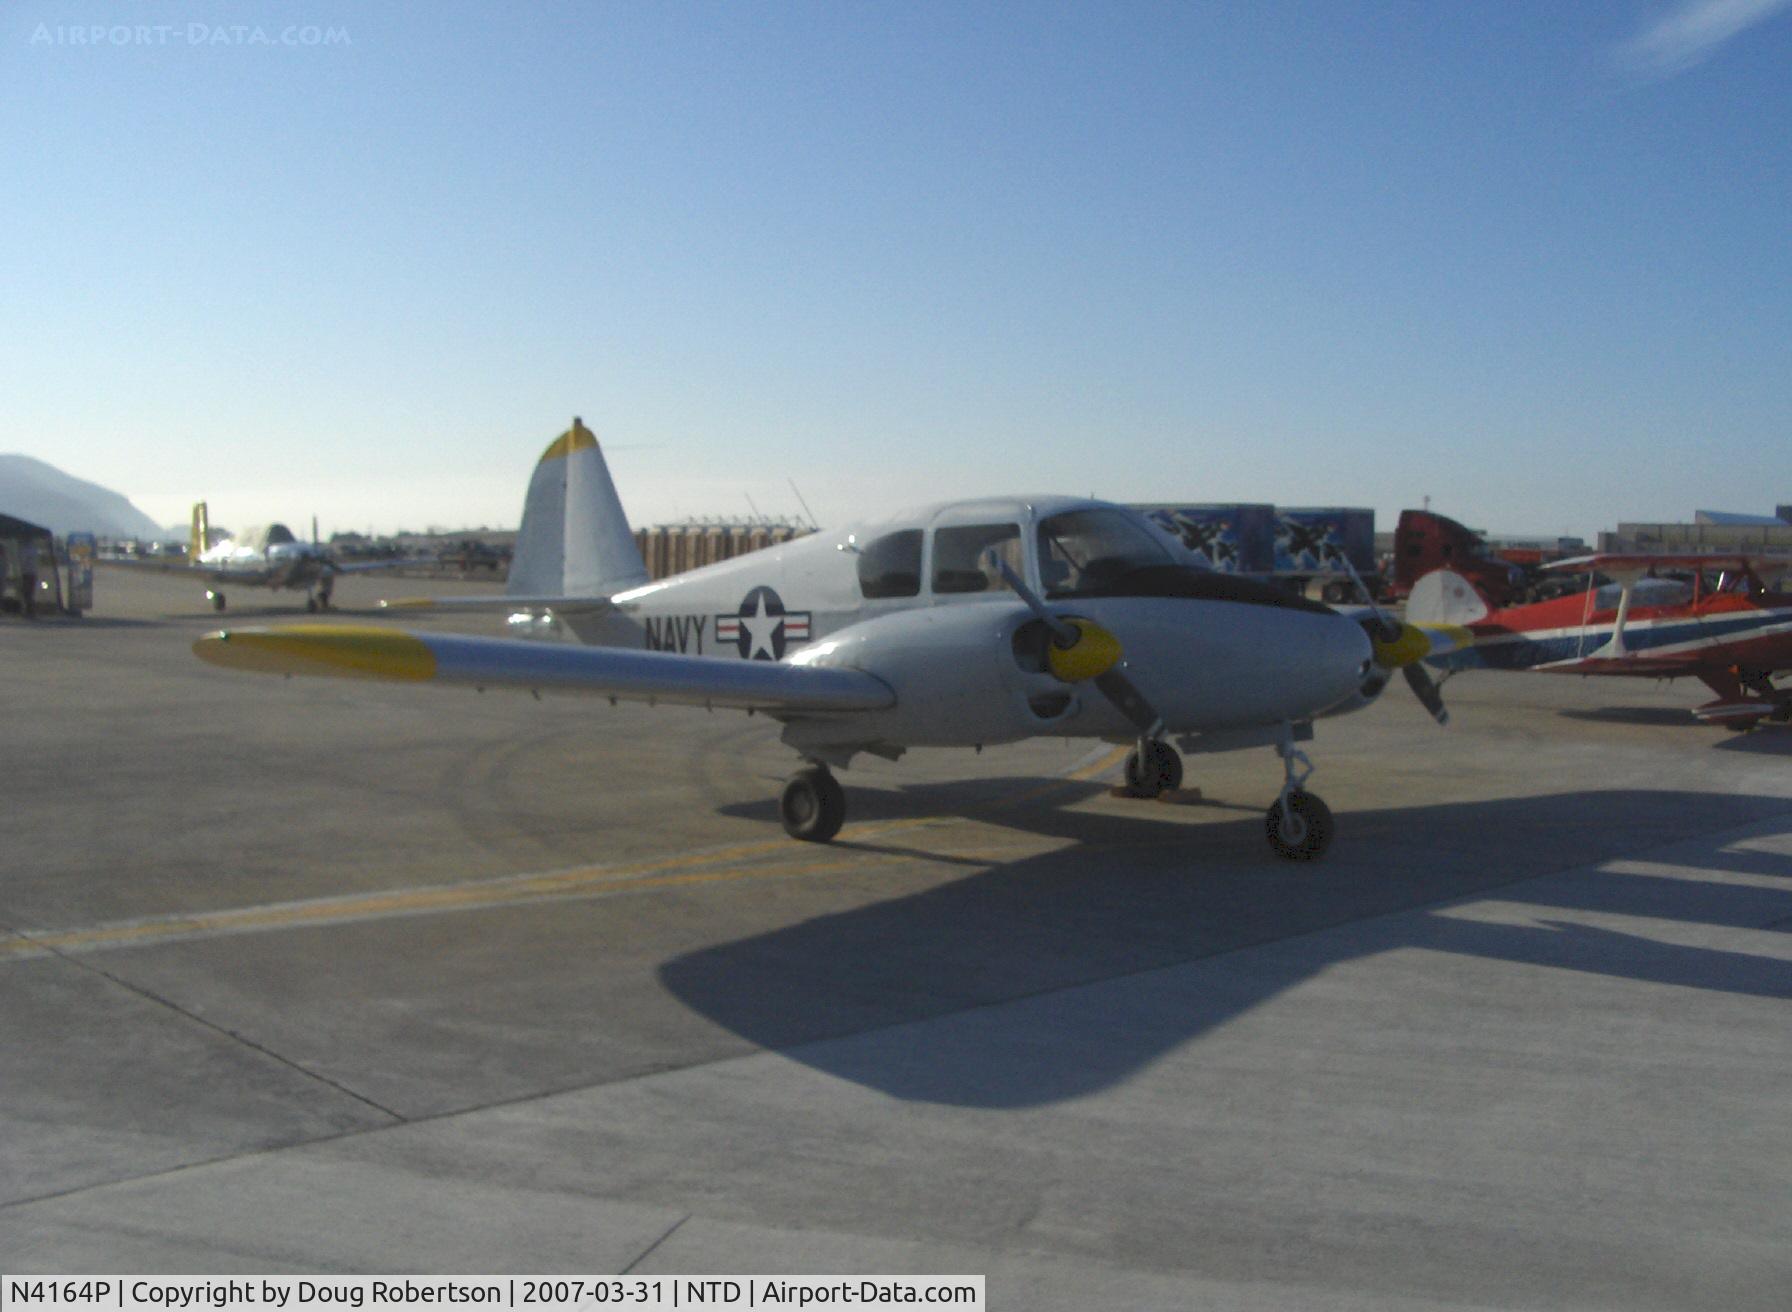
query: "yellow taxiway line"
582, 881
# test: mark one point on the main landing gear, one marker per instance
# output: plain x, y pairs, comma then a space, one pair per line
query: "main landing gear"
1153, 768
813, 805
1299, 826
215, 597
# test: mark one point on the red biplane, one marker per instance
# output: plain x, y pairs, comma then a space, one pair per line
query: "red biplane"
1713, 617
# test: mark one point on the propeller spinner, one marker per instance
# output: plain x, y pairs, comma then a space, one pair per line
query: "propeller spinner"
1397, 645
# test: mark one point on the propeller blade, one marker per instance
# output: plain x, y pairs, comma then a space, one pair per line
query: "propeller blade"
1424, 687
1129, 701
1062, 630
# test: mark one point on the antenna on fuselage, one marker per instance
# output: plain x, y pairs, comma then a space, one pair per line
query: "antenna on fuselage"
813, 522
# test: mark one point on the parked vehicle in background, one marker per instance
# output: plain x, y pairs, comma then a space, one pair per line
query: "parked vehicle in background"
1303, 546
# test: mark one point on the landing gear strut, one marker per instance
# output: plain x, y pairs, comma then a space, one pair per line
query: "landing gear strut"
1153, 768
813, 805
1299, 825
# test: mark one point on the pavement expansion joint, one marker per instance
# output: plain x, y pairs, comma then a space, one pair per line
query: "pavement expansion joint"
654, 1247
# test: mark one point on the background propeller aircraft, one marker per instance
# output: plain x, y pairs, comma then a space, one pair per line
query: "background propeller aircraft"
1712, 617
269, 557
960, 624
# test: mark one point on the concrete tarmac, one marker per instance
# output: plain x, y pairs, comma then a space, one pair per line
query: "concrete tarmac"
328, 976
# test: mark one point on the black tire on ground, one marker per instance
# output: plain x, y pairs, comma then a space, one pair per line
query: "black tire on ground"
1161, 773
217, 601
1316, 820
812, 806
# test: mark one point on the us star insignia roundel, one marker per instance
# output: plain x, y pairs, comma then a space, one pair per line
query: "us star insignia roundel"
762, 628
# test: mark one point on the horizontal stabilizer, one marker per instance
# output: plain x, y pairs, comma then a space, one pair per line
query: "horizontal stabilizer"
498, 602
368, 652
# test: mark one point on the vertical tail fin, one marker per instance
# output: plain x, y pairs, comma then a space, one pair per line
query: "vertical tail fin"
196, 539
575, 540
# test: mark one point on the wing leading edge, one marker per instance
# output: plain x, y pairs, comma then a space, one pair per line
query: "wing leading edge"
364, 652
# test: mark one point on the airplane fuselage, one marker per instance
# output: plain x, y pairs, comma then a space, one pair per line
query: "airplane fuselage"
914, 599
268, 558
1568, 636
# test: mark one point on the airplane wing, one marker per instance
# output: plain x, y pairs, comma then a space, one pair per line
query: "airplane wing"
369, 566
1613, 562
366, 652
255, 574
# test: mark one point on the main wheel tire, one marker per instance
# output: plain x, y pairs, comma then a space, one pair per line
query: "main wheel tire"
217, 601
1312, 830
812, 806
1159, 772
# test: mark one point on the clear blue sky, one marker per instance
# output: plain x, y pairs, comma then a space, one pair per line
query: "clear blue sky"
1531, 259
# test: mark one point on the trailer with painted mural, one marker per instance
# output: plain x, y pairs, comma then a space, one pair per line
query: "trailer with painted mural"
1234, 537
1296, 545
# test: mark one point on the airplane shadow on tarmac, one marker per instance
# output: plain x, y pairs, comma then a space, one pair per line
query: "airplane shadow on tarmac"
1763, 740
1671, 717
1127, 898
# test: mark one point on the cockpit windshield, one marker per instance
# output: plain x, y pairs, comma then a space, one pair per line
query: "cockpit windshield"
1084, 550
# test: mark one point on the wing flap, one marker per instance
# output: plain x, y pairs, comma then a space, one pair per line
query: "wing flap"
361, 651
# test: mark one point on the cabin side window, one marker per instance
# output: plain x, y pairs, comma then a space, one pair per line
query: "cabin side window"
891, 566
958, 564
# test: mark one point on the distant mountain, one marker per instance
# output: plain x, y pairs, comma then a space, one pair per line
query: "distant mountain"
44, 495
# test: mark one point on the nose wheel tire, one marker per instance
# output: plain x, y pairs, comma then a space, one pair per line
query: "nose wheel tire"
1303, 831
1152, 769
812, 806
217, 599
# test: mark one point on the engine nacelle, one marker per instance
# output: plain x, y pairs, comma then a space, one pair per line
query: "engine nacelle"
966, 674
1375, 682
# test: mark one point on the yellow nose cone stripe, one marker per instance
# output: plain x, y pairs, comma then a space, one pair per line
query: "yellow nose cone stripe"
1447, 637
1417, 641
348, 650
1409, 645
1094, 653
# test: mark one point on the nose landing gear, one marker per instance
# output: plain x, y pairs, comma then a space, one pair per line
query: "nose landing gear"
1299, 825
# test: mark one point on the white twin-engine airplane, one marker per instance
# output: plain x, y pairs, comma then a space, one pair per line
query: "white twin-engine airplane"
267, 557
960, 624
